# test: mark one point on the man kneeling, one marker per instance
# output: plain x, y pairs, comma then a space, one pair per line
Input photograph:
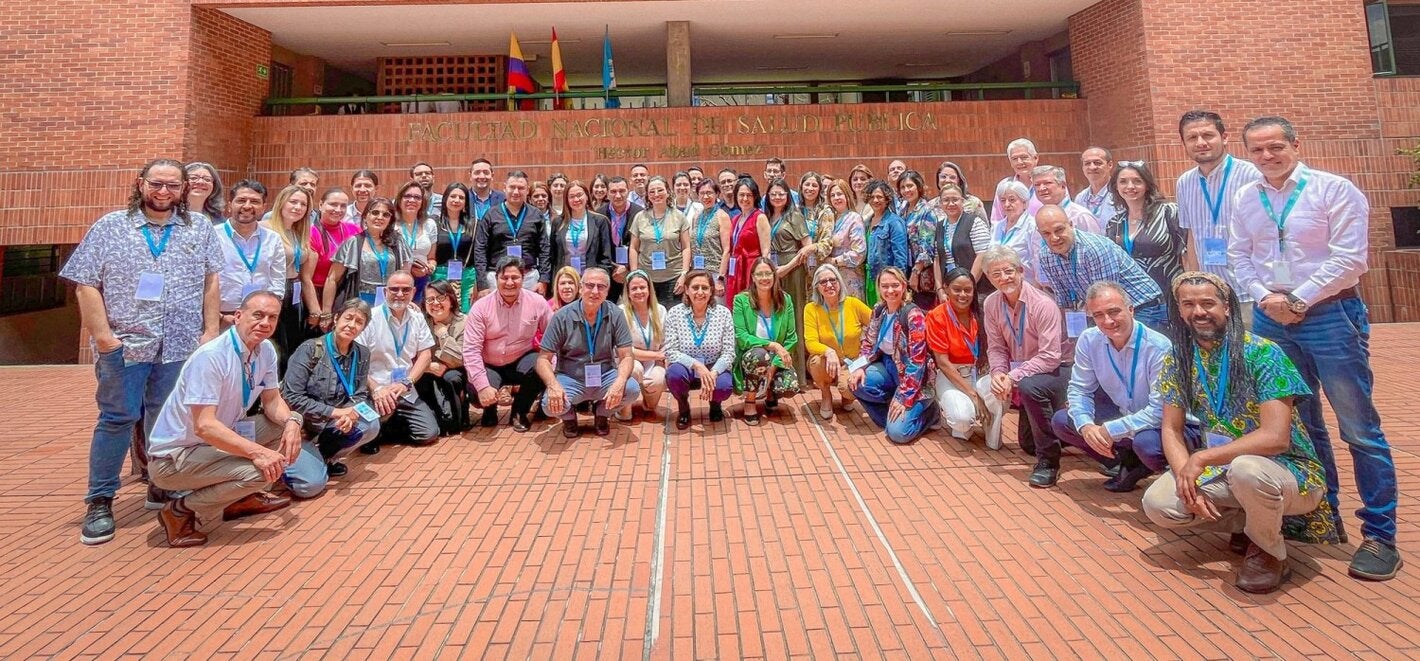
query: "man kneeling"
206, 441
1258, 463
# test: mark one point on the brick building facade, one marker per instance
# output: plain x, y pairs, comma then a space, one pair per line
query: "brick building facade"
93, 93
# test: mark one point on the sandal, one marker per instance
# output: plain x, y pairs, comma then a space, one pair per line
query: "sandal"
752, 418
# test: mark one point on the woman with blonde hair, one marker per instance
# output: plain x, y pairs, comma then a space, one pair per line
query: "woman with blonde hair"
291, 220
646, 318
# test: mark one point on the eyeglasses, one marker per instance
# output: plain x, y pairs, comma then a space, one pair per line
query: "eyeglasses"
440, 300
1002, 273
412, 196
399, 290
828, 281
194, 178
173, 186
595, 286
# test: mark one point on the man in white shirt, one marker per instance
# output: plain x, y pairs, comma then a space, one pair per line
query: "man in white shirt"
1098, 166
1023, 156
1048, 182
423, 174
401, 347
1299, 246
208, 442
640, 176
1206, 194
253, 256
1114, 412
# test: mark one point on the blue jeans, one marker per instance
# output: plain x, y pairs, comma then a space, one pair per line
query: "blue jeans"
123, 394
876, 393
578, 392
1331, 348
1147, 444
1155, 315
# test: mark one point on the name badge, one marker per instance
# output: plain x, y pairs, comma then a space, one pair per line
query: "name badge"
248, 288
379, 295
813, 261
1215, 252
576, 263
858, 363
658, 260
247, 429
698, 261
367, 412
1282, 273
623, 254
455, 269
592, 375
150, 287
399, 374
515, 251
296, 291
733, 261
1074, 323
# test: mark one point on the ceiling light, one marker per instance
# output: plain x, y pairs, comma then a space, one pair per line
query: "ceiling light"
413, 44
978, 33
807, 36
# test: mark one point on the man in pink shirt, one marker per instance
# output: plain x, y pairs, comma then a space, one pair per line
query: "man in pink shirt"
498, 347
1024, 347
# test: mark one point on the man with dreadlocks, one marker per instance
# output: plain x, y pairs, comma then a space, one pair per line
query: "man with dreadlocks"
1256, 461
147, 291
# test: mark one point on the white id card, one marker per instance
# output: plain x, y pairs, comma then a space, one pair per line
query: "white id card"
296, 291
1282, 273
733, 261
379, 295
367, 412
150, 287
658, 260
1215, 252
577, 264
455, 269
623, 255
858, 363
592, 374
515, 251
399, 374
247, 429
698, 261
1074, 323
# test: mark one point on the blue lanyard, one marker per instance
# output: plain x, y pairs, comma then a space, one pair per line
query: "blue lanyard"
575, 230
383, 259
1125, 238
398, 341
159, 248
886, 326
455, 238
774, 231
591, 331
1216, 398
618, 223
1134, 363
838, 329
657, 225
739, 226
255, 256
1215, 206
296, 259
645, 330
1006, 236
768, 324
247, 376
1018, 330
685, 211
408, 235
703, 225
838, 222
974, 343
697, 334
512, 228
1096, 202
346, 381
1286, 210
481, 207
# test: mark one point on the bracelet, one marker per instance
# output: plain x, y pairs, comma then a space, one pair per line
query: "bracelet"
327, 315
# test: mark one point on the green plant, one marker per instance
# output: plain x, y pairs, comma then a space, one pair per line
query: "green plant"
1414, 154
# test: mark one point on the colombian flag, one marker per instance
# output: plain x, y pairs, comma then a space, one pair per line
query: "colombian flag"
559, 75
518, 79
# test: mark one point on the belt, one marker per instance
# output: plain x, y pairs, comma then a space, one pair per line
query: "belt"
1349, 292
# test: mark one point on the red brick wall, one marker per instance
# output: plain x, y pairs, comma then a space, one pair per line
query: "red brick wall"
1106, 47
226, 91
972, 133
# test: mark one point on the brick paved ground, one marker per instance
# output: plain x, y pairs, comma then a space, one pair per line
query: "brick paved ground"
792, 539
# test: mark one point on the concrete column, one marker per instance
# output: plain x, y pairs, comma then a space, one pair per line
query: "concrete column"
677, 63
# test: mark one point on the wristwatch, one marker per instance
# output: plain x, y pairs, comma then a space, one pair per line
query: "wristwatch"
296, 418
1296, 305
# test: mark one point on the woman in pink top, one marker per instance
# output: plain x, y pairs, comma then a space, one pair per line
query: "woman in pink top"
326, 236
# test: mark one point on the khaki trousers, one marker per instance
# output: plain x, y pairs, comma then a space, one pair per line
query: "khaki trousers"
215, 478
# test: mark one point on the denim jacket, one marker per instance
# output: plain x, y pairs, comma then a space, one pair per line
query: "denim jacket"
888, 246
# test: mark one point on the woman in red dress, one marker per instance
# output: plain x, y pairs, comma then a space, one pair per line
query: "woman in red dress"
749, 236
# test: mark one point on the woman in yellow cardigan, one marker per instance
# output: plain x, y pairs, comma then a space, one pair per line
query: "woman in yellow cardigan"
765, 337
833, 324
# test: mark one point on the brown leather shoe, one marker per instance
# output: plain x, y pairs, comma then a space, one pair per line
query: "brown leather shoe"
181, 527
260, 502
1261, 573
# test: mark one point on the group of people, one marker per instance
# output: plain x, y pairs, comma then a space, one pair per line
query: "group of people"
1187, 339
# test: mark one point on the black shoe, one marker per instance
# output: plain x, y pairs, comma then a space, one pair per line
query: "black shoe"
490, 417
1238, 542
1375, 561
370, 448
601, 425
520, 422
336, 469
717, 412
771, 404
1045, 475
1110, 469
98, 522
682, 415
1128, 479
570, 428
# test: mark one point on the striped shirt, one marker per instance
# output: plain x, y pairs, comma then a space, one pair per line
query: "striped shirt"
1091, 259
1195, 216
1100, 204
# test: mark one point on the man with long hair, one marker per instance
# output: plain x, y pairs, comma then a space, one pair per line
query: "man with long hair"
148, 294
1256, 473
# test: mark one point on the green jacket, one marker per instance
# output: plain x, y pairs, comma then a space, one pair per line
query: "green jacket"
746, 322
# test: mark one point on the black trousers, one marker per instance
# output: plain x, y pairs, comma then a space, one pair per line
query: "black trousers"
521, 373
447, 396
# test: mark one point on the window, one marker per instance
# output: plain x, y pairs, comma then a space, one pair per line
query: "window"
1395, 38
30, 281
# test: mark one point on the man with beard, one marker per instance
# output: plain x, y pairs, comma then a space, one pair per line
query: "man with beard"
423, 174
147, 287
212, 441
401, 347
253, 256
1206, 195
1255, 473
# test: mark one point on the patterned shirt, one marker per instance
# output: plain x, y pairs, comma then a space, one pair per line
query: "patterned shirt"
114, 256
922, 234
712, 345
1276, 377
1094, 258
